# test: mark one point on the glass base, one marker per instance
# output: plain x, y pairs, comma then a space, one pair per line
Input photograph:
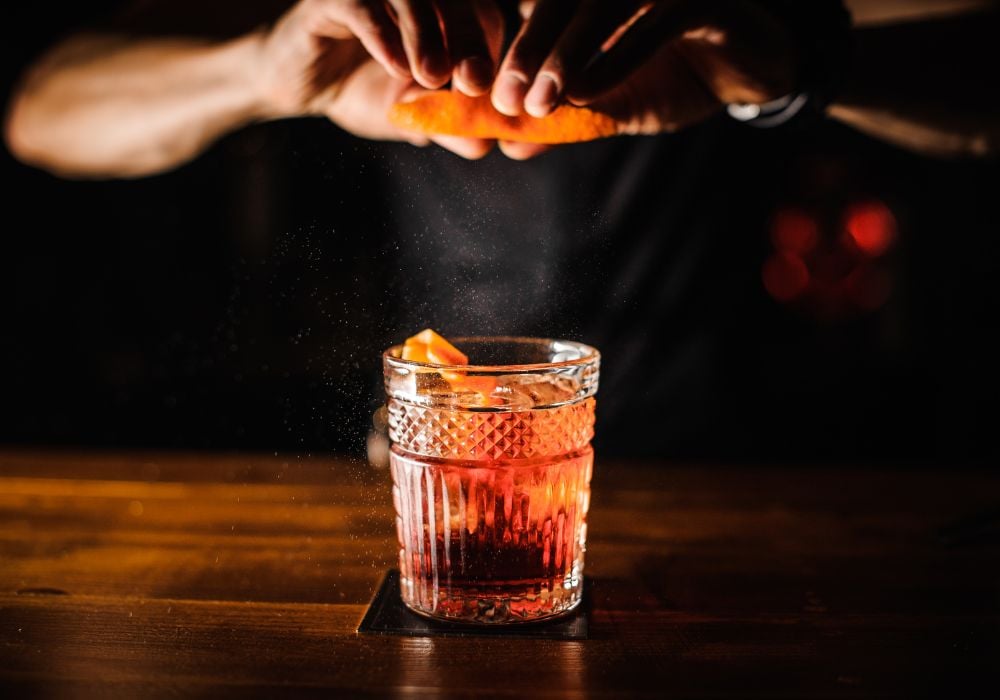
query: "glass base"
497, 605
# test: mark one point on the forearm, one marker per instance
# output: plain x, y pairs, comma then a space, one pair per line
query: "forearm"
108, 106
927, 86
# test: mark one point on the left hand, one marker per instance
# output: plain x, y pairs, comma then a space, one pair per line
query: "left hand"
362, 99
345, 59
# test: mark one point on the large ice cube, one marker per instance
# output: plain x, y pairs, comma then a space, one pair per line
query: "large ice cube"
525, 391
432, 383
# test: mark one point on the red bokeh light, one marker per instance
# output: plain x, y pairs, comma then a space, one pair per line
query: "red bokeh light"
871, 226
831, 272
785, 276
794, 231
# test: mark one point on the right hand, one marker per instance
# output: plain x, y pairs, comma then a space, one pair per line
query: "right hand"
582, 50
652, 65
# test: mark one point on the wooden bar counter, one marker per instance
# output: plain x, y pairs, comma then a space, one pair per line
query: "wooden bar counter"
159, 574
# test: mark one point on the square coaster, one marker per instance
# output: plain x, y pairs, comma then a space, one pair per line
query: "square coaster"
387, 615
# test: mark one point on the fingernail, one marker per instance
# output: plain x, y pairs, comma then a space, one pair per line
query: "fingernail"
541, 98
436, 70
477, 73
508, 94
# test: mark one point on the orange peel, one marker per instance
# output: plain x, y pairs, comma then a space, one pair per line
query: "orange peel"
428, 346
432, 348
455, 114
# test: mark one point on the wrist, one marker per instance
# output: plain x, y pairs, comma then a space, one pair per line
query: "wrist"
249, 69
824, 47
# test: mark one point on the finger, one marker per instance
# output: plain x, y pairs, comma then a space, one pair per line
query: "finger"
517, 150
526, 54
646, 35
662, 96
414, 138
422, 41
469, 148
364, 111
408, 94
473, 67
491, 19
594, 22
369, 21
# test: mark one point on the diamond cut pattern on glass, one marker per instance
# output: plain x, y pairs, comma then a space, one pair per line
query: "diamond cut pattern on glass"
478, 435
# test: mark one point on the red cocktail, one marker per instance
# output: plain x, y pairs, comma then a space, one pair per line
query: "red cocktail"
491, 467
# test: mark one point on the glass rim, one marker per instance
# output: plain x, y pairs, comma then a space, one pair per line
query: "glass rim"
589, 355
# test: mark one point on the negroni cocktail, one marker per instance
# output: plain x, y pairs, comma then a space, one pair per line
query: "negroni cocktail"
491, 465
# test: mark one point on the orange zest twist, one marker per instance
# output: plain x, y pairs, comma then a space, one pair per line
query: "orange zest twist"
456, 114
428, 346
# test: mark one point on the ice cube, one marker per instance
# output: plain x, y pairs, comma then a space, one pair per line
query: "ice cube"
432, 383
525, 391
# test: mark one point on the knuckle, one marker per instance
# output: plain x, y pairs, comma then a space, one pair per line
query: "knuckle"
353, 7
370, 22
364, 24
364, 11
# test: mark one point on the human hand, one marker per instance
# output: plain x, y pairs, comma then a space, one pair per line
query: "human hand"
653, 66
348, 60
405, 36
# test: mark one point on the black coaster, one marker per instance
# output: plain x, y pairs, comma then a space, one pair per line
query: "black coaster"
388, 615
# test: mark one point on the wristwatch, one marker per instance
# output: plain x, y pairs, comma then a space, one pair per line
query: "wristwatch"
769, 114
825, 41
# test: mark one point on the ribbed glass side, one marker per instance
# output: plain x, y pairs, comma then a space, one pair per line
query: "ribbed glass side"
501, 541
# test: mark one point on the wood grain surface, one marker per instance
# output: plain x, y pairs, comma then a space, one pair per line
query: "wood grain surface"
211, 575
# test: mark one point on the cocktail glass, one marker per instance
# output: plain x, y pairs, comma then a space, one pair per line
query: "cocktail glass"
491, 467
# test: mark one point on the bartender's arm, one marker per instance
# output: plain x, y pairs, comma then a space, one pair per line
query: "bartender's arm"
923, 76
156, 89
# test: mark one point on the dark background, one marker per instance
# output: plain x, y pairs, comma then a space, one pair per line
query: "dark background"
242, 300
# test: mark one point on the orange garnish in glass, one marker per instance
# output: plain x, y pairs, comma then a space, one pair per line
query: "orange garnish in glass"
428, 346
